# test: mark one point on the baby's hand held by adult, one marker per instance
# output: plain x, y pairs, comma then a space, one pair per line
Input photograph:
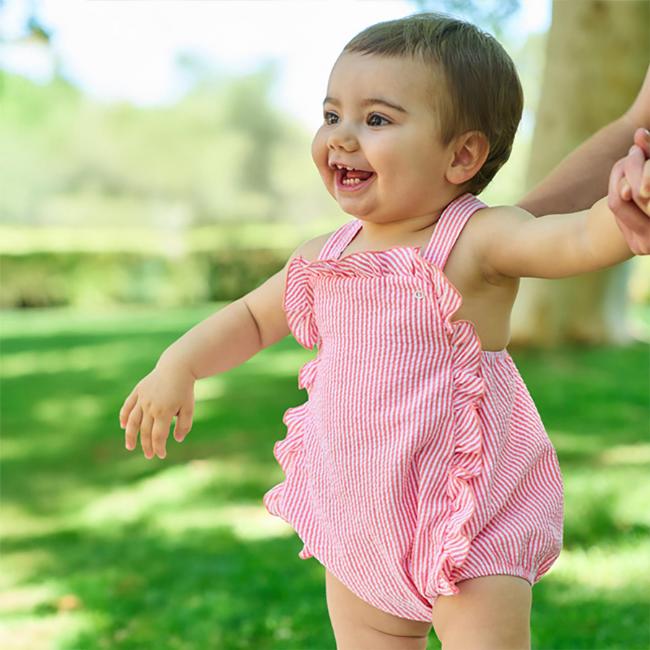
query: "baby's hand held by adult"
637, 174
642, 140
624, 199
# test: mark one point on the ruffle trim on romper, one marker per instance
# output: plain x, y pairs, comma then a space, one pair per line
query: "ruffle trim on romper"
286, 452
299, 293
299, 302
467, 459
468, 387
298, 306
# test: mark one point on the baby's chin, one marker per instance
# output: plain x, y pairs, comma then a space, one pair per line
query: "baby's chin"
352, 212
353, 208
364, 216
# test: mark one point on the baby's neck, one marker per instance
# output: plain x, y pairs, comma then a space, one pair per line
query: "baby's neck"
378, 236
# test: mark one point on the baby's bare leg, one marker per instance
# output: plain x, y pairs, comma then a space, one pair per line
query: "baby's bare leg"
489, 613
360, 626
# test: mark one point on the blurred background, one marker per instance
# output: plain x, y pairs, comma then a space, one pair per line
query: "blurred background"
155, 165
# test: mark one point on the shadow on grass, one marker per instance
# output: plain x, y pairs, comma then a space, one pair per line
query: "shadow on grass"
63, 453
588, 618
206, 590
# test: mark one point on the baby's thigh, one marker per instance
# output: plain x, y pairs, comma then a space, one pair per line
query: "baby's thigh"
360, 626
489, 613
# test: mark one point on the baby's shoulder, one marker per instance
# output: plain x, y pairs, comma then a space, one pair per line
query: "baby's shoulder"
487, 225
486, 228
311, 248
498, 215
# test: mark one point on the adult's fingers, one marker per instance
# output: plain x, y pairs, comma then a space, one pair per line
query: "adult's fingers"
633, 168
642, 140
624, 189
616, 179
645, 183
633, 223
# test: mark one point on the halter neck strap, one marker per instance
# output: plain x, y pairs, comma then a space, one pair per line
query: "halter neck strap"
447, 230
449, 226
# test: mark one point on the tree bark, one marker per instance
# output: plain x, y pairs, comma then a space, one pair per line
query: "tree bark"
596, 57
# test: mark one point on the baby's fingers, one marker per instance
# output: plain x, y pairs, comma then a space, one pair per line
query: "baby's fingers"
132, 426
183, 423
160, 434
129, 403
145, 435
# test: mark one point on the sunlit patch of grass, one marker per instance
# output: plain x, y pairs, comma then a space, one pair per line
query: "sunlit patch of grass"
607, 567
43, 631
75, 358
570, 443
598, 598
625, 455
246, 522
607, 509
25, 598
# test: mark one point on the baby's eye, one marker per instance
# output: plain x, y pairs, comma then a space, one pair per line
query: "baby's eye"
381, 117
326, 116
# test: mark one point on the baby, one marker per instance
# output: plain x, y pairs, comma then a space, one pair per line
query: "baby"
418, 473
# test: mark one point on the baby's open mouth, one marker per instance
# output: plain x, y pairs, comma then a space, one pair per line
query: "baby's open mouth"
352, 177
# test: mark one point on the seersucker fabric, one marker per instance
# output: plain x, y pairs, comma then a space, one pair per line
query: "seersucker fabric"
419, 459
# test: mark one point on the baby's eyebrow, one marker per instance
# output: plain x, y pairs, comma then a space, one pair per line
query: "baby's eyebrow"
368, 102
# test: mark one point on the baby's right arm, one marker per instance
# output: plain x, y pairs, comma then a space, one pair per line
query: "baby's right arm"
222, 341
242, 328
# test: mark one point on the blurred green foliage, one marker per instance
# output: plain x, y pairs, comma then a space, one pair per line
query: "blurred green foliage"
110, 203
221, 154
113, 203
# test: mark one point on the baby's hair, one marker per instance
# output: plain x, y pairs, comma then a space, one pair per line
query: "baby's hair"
483, 89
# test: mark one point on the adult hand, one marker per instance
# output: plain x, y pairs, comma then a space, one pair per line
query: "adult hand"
636, 184
629, 194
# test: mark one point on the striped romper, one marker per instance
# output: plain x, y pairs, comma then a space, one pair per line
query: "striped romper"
419, 459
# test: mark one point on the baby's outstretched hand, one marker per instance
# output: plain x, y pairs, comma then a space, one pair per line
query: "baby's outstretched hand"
629, 194
165, 392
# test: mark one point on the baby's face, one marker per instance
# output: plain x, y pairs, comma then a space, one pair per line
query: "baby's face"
396, 142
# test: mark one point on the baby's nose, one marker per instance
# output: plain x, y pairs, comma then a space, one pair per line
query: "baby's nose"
342, 138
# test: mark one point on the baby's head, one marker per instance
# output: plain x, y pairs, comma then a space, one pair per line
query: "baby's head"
446, 103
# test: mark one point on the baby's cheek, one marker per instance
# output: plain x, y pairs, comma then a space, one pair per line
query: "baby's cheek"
319, 148
319, 155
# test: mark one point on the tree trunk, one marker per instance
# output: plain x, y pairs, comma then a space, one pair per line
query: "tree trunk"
596, 57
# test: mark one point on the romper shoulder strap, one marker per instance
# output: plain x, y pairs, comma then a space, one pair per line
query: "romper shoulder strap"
339, 239
450, 224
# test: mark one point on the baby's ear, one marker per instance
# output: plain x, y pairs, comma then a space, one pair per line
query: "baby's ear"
470, 151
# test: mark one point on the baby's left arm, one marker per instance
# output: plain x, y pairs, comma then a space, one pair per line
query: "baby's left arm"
513, 243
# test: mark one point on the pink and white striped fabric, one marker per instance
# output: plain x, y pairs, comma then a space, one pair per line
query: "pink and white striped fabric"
419, 459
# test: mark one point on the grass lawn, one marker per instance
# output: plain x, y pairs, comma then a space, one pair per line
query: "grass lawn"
102, 548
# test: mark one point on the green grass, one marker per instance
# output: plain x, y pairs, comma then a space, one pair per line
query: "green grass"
105, 549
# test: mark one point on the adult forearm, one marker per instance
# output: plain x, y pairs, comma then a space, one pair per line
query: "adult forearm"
581, 178
220, 342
